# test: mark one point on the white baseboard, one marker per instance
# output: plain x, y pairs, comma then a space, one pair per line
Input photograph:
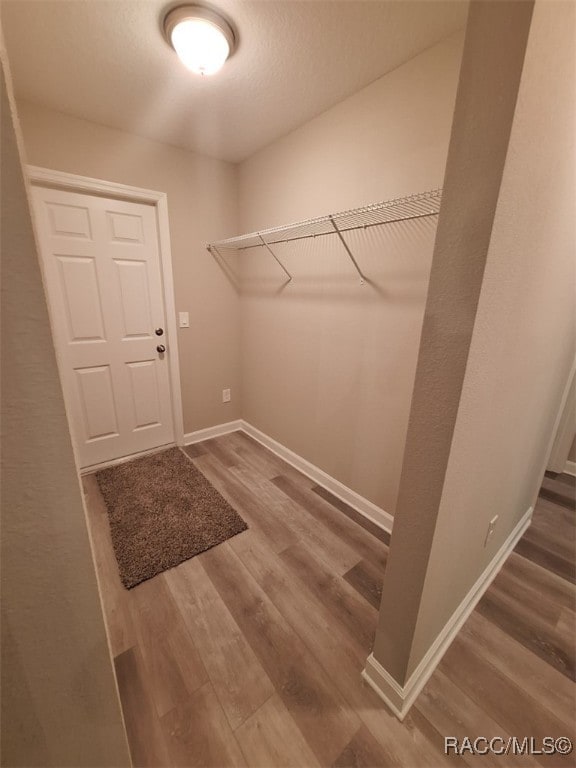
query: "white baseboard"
400, 698
359, 503
207, 434
366, 508
570, 468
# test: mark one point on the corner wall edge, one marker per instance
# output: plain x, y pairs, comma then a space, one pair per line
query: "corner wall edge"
400, 698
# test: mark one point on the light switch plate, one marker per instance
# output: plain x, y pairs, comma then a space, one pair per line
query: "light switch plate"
491, 529
183, 320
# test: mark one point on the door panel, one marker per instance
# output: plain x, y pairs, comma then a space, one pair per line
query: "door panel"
81, 298
99, 410
104, 284
125, 227
69, 220
144, 380
133, 282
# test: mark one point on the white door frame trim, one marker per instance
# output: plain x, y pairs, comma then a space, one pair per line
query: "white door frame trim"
46, 177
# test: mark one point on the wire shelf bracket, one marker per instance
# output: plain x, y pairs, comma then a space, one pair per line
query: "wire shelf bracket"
408, 208
271, 252
348, 251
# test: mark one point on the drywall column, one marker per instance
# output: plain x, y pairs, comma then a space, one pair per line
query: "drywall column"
486, 405
60, 705
522, 350
493, 56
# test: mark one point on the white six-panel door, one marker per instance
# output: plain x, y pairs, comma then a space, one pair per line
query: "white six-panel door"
103, 278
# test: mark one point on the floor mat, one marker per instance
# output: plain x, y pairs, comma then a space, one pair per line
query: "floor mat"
163, 511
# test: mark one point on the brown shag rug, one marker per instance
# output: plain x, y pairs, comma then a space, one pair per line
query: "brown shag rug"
162, 511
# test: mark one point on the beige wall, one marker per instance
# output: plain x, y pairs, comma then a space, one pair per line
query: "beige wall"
327, 364
59, 701
202, 204
325, 367
516, 256
572, 451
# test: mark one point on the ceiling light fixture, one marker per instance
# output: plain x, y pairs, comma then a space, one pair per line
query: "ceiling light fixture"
202, 39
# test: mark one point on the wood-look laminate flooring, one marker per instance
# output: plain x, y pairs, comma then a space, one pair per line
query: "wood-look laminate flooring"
250, 654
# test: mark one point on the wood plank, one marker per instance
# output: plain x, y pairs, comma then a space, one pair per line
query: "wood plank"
198, 734
367, 547
285, 514
560, 485
147, 746
415, 722
525, 593
562, 499
195, 450
367, 580
219, 450
324, 543
362, 751
270, 737
549, 560
549, 585
562, 477
364, 522
338, 654
267, 463
343, 654
540, 680
509, 705
239, 680
413, 742
549, 535
285, 522
566, 627
552, 512
454, 713
316, 706
338, 597
525, 626
547, 511
174, 668
246, 503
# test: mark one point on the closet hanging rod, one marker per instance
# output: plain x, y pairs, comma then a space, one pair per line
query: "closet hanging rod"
401, 209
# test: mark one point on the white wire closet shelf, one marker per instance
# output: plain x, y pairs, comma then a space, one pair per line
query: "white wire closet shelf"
401, 209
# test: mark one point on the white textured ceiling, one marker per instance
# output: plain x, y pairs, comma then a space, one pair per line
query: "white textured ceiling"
106, 61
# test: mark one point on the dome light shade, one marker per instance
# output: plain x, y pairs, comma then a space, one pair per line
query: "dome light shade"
202, 39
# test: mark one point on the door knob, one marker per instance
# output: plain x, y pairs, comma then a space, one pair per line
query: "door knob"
160, 348
159, 331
